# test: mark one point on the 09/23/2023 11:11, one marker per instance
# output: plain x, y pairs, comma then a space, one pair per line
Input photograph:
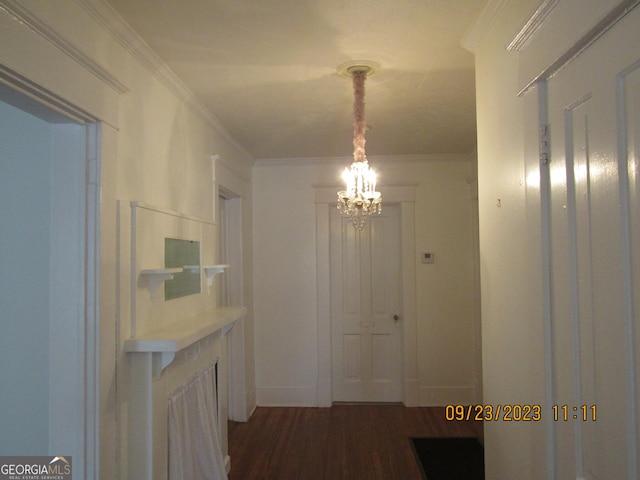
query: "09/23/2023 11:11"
519, 413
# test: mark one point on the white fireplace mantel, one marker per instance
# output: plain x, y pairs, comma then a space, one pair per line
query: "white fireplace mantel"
164, 343
150, 353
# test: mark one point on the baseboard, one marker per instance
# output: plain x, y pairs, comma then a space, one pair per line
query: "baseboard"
324, 392
286, 396
251, 402
411, 393
439, 396
321, 396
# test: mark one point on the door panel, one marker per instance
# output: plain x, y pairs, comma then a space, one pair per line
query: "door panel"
592, 104
352, 355
629, 94
365, 297
380, 353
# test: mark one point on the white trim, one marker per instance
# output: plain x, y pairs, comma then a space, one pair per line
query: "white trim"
627, 244
287, 396
235, 180
75, 293
373, 159
531, 26
96, 100
67, 344
545, 244
412, 392
480, 30
44, 100
394, 193
92, 302
167, 211
35, 24
438, 396
185, 332
324, 392
409, 295
237, 373
214, 188
240, 399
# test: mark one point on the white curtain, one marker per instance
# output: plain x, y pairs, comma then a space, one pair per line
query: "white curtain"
194, 445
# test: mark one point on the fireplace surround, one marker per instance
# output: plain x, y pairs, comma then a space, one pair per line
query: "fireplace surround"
171, 340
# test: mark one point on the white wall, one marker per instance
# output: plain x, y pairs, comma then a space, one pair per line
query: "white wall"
156, 143
285, 285
25, 255
510, 254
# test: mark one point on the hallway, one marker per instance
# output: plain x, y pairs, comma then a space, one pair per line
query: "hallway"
342, 442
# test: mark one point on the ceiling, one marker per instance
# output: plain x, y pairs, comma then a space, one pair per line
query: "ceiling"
267, 70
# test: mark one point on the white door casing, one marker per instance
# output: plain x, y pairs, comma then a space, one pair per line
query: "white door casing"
366, 308
230, 293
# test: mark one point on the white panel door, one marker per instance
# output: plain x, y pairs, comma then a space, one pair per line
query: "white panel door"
594, 120
366, 318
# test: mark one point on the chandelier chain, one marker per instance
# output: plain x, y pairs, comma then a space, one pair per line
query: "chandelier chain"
360, 199
359, 124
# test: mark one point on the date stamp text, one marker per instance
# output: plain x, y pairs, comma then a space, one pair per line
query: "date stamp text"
519, 413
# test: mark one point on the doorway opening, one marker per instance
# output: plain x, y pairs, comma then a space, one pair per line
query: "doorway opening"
49, 183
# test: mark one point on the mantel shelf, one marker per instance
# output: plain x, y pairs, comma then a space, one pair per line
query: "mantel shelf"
179, 335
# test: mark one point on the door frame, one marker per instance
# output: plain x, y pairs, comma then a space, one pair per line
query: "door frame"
402, 195
231, 227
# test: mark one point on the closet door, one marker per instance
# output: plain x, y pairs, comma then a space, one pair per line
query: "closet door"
366, 318
594, 237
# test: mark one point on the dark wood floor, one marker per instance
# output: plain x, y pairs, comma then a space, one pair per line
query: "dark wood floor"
349, 442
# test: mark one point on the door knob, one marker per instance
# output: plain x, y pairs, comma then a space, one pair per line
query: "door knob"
396, 317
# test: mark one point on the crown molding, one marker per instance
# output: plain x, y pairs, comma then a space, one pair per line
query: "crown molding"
373, 159
531, 26
234, 168
111, 21
480, 30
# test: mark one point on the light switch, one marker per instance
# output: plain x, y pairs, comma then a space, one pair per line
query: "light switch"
427, 257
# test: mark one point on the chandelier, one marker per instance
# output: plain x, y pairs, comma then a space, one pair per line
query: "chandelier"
359, 199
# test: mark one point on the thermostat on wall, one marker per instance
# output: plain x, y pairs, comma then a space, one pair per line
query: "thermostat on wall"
427, 257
